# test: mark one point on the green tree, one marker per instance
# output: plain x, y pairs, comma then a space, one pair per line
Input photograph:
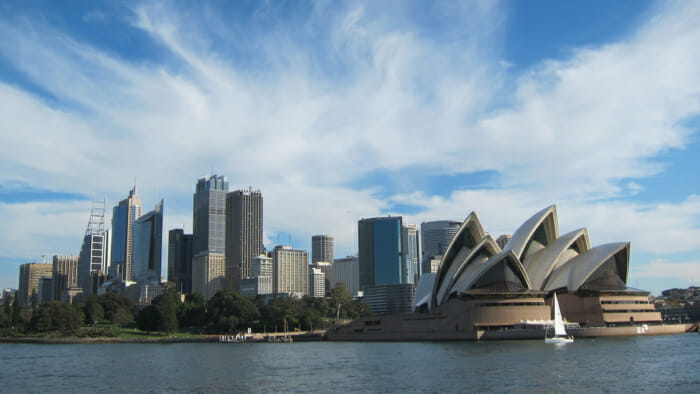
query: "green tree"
339, 297
93, 310
192, 312
55, 316
166, 306
118, 309
16, 311
228, 310
147, 319
357, 309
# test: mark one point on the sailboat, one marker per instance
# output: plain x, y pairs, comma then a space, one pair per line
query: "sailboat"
559, 329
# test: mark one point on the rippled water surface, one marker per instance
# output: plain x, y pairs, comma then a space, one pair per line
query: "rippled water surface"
638, 364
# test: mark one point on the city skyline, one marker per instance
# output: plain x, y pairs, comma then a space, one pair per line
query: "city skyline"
344, 111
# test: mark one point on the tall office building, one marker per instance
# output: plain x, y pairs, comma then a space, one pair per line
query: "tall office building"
244, 233
322, 248
347, 271
29, 276
327, 269
180, 260
65, 275
436, 237
124, 215
409, 253
95, 250
148, 241
261, 266
380, 251
209, 236
317, 283
260, 280
290, 271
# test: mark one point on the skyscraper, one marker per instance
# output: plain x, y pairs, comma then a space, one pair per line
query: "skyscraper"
244, 233
380, 249
322, 248
409, 252
124, 216
95, 250
436, 237
65, 275
346, 271
317, 283
290, 271
29, 276
180, 260
209, 236
148, 241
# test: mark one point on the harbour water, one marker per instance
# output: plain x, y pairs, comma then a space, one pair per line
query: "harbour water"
633, 364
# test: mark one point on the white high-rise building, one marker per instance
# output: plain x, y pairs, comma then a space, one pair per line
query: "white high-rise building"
290, 272
317, 280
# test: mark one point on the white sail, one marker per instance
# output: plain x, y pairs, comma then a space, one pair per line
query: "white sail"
559, 329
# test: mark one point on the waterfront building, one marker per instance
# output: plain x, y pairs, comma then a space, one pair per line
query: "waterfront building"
389, 299
347, 271
380, 250
435, 237
290, 272
409, 253
209, 236
95, 250
322, 248
29, 276
244, 233
148, 241
317, 283
327, 269
483, 291
124, 216
180, 260
65, 275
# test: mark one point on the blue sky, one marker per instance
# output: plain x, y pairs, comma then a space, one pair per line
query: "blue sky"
344, 110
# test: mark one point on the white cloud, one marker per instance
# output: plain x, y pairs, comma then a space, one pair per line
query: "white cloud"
687, 272
574, 132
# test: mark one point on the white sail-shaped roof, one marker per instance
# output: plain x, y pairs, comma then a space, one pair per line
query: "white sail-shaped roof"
540, 265
483, 251
574, 273
540, 230
479, 269
467, 237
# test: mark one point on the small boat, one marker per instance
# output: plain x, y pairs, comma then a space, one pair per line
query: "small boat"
560, 335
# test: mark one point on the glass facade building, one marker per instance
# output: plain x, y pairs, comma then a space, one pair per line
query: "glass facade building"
124, 216
148, 240
380, 251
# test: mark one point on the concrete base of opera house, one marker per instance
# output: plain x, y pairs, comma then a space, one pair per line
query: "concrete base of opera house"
424, 327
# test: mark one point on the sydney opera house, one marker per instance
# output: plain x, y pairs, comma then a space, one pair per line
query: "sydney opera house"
485, 291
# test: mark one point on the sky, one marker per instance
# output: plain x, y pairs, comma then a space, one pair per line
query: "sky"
339, 111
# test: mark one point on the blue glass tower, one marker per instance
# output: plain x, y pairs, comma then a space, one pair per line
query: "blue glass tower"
380, 252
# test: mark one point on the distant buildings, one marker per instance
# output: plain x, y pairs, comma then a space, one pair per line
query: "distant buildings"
260, 280
209, 236
436, 237
95, 251
327, 269
317, 283
290, 272
390, 298
65, 275
409, 254
180, 260
322, 248
29, 277
244, 233
124, 215
347, 271
148, 241
380, 251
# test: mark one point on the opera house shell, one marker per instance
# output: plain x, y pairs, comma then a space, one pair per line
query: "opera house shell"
483, 291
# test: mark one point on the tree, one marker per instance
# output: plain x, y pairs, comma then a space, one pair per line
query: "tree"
339, 297
93, 310
16, 311
55, 316
192, 312
147, 319
228, 310
166, 306
117, 308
